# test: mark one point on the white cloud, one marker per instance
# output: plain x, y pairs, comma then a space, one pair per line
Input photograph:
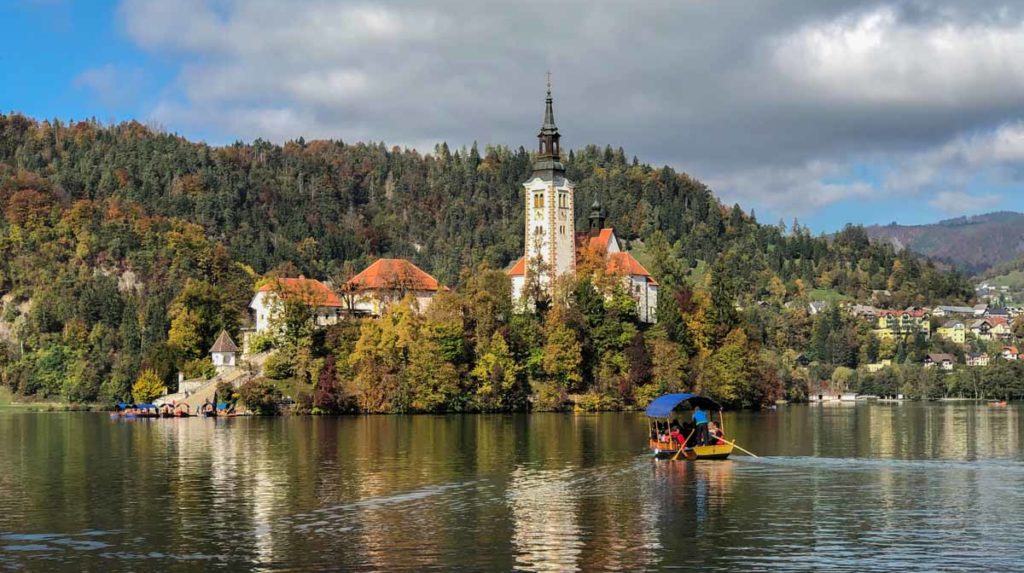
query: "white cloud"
957, 162
960, 203
876, 56
793, 190
111, 85
771, 103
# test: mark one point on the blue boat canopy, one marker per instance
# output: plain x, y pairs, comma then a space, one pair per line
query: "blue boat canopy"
146, 406
662, 406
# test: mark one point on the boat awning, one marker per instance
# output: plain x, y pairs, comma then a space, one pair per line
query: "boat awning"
662, 406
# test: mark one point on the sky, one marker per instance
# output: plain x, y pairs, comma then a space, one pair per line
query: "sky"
829, 111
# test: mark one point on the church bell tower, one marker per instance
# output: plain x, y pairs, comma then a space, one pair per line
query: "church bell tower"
550, 226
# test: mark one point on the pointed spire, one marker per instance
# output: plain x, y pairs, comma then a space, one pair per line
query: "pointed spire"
548, 162
549, 111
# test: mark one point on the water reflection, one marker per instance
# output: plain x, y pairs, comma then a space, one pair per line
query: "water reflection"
865, 487
547, 537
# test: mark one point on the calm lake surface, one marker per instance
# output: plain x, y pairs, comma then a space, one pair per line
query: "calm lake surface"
860, 488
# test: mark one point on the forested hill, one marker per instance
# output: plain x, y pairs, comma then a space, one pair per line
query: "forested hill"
109, 232
974, 244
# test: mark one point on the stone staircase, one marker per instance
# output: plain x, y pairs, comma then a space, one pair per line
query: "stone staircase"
236, 376
206, 392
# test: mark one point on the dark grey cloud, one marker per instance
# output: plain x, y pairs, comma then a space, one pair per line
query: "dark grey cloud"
772, 101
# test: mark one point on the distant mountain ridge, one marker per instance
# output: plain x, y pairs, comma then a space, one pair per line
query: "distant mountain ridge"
973, 244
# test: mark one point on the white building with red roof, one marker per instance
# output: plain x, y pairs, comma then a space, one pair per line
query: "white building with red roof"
552, 247
387, 281
602, 242
268, 302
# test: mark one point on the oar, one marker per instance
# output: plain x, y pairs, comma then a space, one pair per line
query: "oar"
733, 444
682, 446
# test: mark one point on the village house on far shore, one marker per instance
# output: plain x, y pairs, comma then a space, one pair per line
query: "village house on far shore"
388, 281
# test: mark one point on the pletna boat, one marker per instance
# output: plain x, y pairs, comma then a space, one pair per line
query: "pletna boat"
660, 417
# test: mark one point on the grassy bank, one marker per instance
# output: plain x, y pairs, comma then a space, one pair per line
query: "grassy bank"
9, 401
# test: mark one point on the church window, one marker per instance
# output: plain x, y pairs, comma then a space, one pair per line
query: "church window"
538, 201
562, 200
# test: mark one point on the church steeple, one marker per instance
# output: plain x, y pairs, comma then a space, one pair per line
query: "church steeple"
596, 218
549, 242
548, 162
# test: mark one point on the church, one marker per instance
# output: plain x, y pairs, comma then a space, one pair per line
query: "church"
552, 247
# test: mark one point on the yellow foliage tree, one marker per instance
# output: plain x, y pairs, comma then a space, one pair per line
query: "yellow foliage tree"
148, 387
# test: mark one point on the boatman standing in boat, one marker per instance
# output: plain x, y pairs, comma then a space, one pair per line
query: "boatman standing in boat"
700, 420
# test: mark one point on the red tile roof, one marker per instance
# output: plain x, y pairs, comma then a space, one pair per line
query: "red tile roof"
625, 263
518, 269
392, 273
620, 262
602, 239
310, 291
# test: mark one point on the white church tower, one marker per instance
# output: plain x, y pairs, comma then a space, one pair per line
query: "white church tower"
550, 245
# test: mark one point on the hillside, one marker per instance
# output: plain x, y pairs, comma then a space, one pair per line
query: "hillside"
972, 244
124, 248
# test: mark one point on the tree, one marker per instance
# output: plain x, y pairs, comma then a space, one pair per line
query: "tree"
148, 387
562, 357
497, 376
260, 396
328, 397
198, 314
726, 375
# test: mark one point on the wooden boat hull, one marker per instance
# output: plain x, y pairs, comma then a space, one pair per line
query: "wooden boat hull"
663, 450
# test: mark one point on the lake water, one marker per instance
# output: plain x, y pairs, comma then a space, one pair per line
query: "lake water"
859, 488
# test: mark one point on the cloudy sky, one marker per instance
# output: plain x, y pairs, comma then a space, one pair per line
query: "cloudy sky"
830, 111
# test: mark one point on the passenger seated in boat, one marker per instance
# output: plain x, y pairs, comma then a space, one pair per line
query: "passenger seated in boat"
676, 435
717, 436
